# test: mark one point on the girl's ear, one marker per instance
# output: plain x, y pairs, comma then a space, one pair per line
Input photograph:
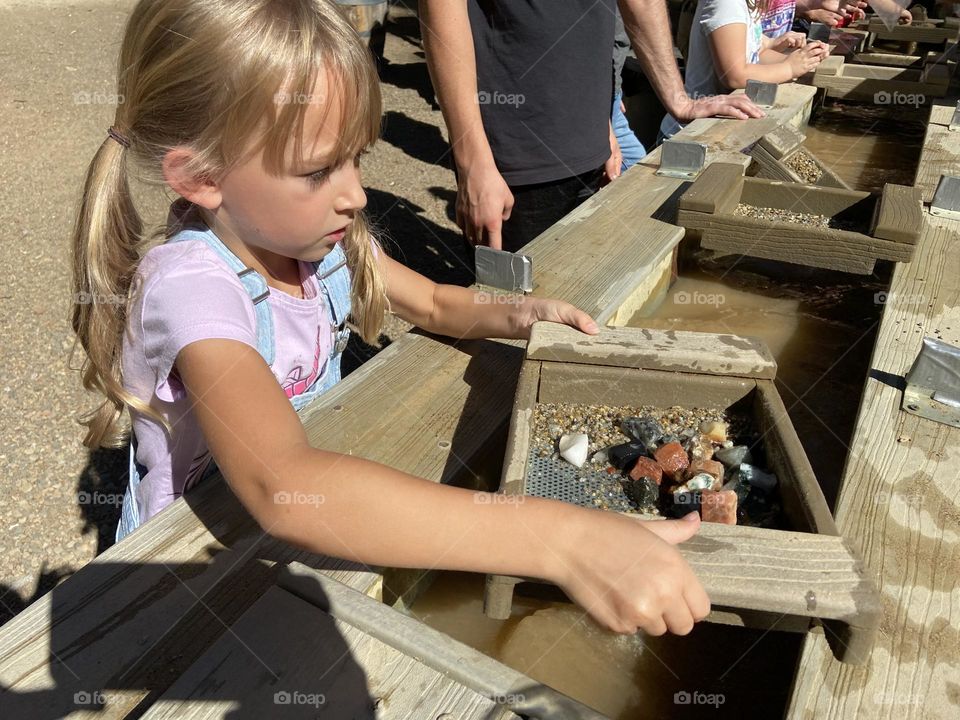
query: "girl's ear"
199, 190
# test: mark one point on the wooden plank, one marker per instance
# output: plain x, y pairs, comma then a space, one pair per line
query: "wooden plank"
674, 350
821, 254
900, 214
782, 141
767, 166
898, 505
941, 112
926, 33
716, 190
873, 83
285, 657
941, 156
463, 664
167, 591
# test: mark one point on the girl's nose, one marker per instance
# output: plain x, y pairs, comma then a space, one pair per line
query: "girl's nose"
350, 195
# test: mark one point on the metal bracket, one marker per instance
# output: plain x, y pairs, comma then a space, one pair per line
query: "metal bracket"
504, 270
818, 31
933, 383
762, 93
955, 121
946, 200
682, 159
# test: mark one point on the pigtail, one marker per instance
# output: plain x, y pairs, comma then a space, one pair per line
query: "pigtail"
105, 241
368, 295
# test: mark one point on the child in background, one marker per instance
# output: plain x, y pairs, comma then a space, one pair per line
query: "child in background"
727, 48
255, 113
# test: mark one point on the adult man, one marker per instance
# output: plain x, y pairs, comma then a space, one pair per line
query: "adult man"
526, 91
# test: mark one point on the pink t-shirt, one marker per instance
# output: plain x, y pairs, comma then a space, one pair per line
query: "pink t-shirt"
189, 293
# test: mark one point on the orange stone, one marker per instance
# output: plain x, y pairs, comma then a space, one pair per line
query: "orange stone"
710, 467
718, 506
673, 459
646, 467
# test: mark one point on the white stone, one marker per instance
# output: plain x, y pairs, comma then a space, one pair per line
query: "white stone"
573, 448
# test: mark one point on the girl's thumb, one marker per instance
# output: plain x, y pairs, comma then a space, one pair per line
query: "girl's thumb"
676, 531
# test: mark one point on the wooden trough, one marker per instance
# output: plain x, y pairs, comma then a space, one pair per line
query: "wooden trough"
775, 156
926, 31
755, 577
888, 228
881, 85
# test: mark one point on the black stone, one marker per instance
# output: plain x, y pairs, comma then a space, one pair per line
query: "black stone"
645, 430
643, 492
622, 455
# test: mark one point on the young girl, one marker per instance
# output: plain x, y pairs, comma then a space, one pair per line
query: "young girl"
255, 112
728, 47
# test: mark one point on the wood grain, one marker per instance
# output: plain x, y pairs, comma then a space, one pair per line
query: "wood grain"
900, 214
676, 350
898, 505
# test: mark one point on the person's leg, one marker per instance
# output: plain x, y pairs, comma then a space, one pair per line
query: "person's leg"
537, 207
630, 146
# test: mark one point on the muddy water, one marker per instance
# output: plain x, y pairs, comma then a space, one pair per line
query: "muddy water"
821, 327
868, 145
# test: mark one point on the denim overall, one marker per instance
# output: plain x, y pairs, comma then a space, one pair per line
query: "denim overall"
333, 279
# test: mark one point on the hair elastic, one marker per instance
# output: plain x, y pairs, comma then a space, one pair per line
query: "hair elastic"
118, 136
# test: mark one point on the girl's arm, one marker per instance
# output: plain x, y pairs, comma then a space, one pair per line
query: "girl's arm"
728, 46
464, 313
623, 571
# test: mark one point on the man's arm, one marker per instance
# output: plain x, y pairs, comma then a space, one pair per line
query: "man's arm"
648, 26
483, 199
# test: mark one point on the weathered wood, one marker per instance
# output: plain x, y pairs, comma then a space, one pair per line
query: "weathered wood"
776, 166
461, 663
716, 190
676, 350
941, 156
878, 83
926, 32
286, 657
782, 141
900, 214
898, 505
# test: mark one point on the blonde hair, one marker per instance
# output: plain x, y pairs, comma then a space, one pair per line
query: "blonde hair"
206, 74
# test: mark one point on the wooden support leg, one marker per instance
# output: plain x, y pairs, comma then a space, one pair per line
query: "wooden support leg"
498, 596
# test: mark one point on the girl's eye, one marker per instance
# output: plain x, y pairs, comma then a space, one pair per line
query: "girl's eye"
315, 178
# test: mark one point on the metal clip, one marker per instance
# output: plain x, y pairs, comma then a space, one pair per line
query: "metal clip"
955, 120
762, 93
933, 383
818, 31
262, 296
503, 270
946, 200
682, 159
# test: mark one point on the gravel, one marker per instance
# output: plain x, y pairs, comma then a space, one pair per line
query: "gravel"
60, 501
804, 166
795, 218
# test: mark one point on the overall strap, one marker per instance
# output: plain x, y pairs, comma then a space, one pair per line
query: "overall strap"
252, 281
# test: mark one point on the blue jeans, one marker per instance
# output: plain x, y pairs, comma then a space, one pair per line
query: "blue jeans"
631, 148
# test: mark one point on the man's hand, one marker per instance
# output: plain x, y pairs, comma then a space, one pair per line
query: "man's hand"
483, 202
736, 106
611, 168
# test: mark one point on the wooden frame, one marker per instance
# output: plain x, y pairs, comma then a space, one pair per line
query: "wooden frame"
927, 31
773, 153
874, 83
894, 221
754, 576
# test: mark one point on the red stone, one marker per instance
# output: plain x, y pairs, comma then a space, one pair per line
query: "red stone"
710, 467
646, 467
718, 506
673, 459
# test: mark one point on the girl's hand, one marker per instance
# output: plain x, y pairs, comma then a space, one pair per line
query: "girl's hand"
558, 311
807, 58
628, 575
789, 41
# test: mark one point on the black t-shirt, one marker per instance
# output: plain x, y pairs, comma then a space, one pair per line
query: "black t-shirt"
544, 84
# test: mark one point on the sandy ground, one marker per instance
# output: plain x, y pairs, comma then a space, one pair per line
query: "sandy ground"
58, 505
